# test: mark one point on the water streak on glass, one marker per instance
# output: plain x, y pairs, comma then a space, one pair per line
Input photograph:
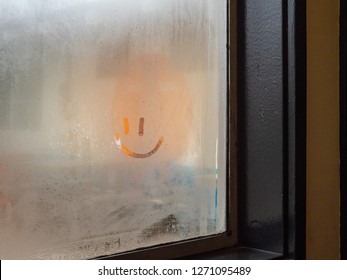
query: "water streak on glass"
112, 125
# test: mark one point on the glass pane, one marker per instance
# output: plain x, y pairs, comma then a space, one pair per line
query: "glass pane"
112, 125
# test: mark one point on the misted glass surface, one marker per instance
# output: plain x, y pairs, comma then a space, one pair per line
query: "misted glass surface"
112, 125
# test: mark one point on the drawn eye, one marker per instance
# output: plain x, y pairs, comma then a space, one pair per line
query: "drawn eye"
141, 124
126, 126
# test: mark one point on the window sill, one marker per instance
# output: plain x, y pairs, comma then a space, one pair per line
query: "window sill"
239, 253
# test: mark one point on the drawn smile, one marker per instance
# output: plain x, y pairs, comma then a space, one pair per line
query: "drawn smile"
129, 152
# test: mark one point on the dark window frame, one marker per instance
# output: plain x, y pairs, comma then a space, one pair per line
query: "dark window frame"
273, 224
343, 127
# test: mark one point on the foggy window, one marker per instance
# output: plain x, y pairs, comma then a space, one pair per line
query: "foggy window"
112, 125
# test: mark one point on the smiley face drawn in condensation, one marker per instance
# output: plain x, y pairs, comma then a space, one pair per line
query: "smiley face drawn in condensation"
151, 108
126, 150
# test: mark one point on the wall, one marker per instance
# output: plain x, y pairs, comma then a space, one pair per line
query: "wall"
323, 207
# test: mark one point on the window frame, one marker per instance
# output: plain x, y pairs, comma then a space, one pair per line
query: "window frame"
343, 128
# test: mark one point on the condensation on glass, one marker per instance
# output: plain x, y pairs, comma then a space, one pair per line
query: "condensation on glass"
112, 125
